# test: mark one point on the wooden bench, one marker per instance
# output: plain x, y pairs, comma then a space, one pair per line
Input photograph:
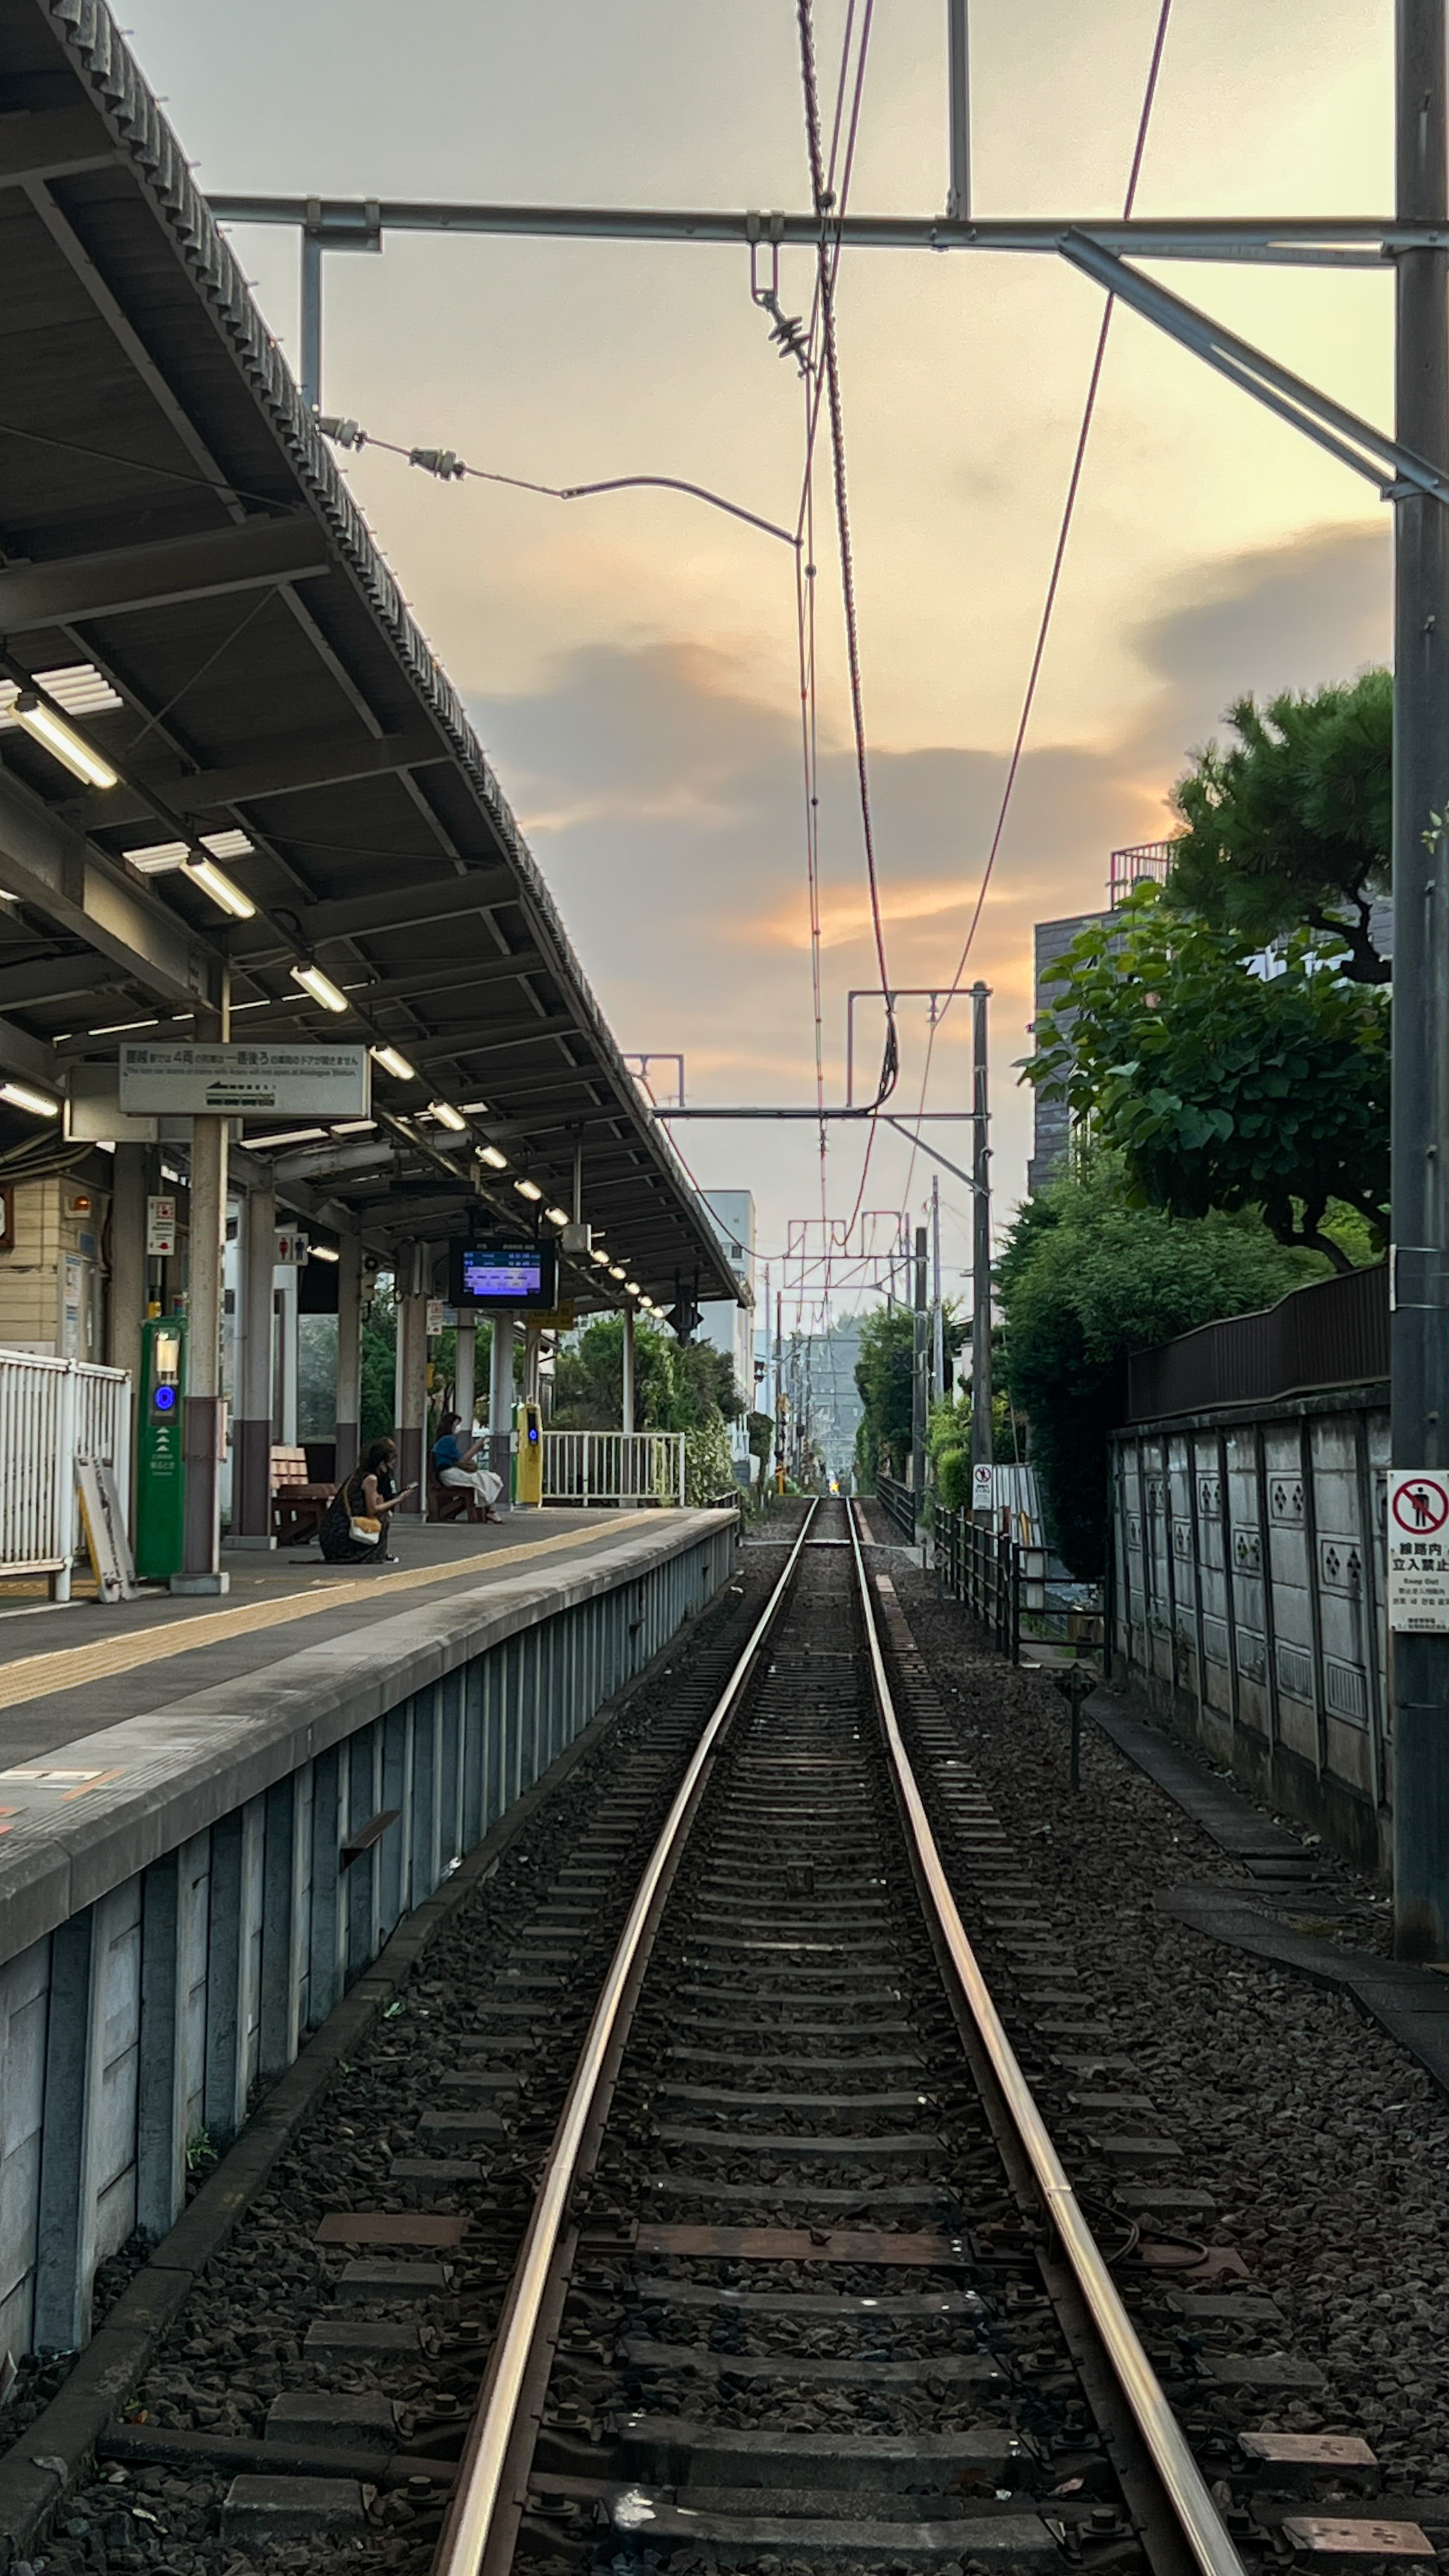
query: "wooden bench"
298, 1506
450, 1502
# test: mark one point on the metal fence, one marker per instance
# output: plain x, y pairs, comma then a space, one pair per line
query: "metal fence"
982, 1568
899, 1505
1333, 1333
1020, 1592
52, 1414
614, 1467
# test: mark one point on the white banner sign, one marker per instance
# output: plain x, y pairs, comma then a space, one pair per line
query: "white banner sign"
983, 1488
161, 1228
246, 1081
1418, 1536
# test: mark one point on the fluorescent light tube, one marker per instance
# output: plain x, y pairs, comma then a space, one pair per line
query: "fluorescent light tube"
600, 1255
226, 896
393, 1063
447, 1116
558, 1216
528, 1189
21, 1096
67, 746
320, 986
494, 1157
323, 1252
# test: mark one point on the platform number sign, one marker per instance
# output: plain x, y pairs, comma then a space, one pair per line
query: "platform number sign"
1418, 1538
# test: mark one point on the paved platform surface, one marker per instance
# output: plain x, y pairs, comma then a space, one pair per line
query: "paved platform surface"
1410, 2003
71, 1671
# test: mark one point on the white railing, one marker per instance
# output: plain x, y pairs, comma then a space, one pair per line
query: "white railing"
53, 1413
613, 1467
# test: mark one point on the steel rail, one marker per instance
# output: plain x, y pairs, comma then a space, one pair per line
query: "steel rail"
476, 2497
1201, 2524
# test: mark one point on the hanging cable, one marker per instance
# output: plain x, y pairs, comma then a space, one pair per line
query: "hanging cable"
1058, 559
448, 468
826, 256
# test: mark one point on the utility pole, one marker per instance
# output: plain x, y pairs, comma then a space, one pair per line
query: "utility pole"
779, 1399
958, 75
1419, 1259
919, 1348
938, 1312
980, 1245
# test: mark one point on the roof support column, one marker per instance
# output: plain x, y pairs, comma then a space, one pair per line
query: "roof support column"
500, 1403
127, 1291
411, 1385
201, 1433
349, 1355
465, 1373
626, 1409
251, 1513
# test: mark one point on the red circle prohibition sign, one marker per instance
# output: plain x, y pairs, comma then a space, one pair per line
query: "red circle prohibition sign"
1421, 1507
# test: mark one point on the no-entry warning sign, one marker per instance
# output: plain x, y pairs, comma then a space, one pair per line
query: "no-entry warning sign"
1419, 1550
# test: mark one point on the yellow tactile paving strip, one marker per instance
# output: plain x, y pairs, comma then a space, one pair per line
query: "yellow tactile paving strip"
69, 1667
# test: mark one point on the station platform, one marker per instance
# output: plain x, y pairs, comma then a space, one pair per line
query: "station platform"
213, 1816
50, 1653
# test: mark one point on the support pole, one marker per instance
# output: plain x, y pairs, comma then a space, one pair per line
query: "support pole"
411, 1386
980, 1243
311, 319
919, 1349
201, 1424
626, 1409
938, 1312
779, 1395
251, 1515
349, 1355
500, 1404
128, 1260
465, 1373
958, 75
1419, 1261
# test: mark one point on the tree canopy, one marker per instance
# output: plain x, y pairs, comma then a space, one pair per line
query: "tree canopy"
678, 1386
1290, 826
1219, 1086
883, 1378
1084, 1279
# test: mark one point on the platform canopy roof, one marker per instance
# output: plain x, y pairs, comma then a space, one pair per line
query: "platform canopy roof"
189, 580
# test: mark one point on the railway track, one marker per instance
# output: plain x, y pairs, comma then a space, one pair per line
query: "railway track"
728, 2182
786, 2293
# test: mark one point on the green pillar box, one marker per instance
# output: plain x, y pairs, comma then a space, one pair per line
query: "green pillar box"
160, 1458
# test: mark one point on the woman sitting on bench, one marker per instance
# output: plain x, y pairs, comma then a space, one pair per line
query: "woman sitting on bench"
453, 1465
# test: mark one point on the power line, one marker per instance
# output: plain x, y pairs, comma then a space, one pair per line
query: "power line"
1058, 559
826, 259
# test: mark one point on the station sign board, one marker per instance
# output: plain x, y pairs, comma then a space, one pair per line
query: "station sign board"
246, 1081
1418, 1550
161, 1229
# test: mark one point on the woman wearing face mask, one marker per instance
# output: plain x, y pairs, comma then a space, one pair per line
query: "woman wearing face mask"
355, 1531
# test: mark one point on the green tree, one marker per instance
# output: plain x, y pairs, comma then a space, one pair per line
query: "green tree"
883, 1377
1289, 828
1220, 1087
678, 1386
379, 1364
1086, 1278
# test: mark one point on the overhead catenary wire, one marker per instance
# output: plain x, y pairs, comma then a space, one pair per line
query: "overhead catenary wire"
827, 257
1044, 624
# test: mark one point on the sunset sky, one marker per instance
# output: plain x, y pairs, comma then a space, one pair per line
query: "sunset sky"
630, 661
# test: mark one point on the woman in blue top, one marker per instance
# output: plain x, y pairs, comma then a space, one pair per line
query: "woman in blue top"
454, 1465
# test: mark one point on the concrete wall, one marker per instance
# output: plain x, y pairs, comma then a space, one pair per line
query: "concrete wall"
51, 1283
147, 2016
1249, 1586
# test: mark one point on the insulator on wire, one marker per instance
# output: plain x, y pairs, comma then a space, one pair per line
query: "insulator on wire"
345, 433
440, 461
